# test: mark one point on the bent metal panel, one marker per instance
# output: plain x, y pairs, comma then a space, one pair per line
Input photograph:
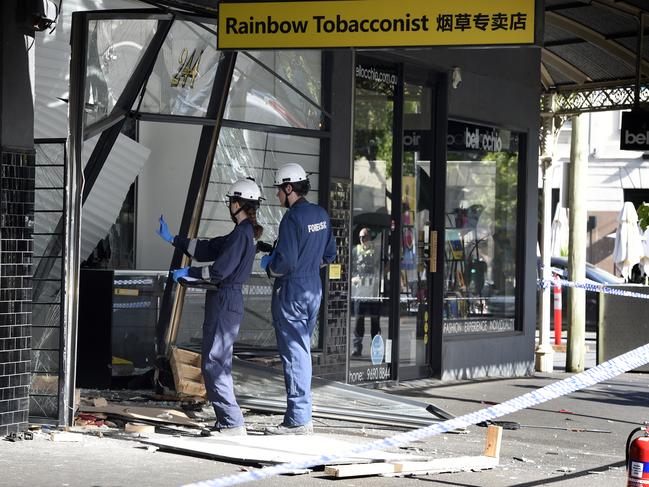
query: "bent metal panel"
374, 23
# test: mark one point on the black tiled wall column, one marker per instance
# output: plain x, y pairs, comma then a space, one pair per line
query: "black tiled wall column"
332, 363
16, 247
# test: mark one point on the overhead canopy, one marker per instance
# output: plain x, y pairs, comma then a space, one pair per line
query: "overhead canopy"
593, 43
587, 44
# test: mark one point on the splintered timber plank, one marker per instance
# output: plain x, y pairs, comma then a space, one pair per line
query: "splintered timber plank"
359, 469
488, 460
158, 415
443, 465
439, 465
492, 445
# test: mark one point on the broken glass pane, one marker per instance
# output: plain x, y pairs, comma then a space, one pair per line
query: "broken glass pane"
43, 406
45, 361
114, 50
241, 154
44, 384
257, 95
46, 315
45, 337
182, 79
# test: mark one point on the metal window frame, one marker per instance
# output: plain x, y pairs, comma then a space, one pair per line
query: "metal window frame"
77, 190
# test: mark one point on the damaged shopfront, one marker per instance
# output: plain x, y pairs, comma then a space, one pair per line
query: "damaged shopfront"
425, 158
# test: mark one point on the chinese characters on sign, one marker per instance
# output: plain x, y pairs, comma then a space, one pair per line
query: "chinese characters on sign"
481, 21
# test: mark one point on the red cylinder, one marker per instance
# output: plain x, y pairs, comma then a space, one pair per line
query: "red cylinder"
556, 291
638, 465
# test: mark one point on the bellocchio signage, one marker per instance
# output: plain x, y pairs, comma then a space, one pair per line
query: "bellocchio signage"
374, 23
635, 131
469, 137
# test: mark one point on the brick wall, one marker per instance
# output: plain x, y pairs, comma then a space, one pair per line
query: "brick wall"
16, 246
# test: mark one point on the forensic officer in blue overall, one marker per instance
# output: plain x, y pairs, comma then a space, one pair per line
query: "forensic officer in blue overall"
304, 244
232, 255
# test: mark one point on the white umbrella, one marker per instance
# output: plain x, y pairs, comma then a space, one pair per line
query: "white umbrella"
559, 231
628, 246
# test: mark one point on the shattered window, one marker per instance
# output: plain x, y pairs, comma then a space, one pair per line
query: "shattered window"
240, 154
258, 95
183, 76
47, 281
114, 50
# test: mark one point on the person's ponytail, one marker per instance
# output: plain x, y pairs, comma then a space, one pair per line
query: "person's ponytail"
251, 211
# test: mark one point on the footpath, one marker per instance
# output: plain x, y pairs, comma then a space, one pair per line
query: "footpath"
574, 440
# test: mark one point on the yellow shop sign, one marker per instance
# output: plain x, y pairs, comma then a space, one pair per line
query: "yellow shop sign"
375, 23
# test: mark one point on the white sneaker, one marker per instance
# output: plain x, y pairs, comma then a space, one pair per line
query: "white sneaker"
216, 431
282, 429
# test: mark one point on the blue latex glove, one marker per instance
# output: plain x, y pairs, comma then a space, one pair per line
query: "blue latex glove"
265, 260
182, 272
163, 231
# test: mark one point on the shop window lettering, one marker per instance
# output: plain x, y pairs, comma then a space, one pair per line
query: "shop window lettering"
187, 69
481, 21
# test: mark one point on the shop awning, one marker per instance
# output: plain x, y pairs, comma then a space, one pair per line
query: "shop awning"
593, 43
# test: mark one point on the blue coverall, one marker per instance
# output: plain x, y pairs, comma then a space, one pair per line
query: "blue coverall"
233, 256
305, 242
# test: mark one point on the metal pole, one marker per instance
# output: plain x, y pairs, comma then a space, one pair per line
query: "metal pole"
638, 61
74, 189
576, 350
544, 354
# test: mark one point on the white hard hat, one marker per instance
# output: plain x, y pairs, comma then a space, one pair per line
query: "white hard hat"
289, 173
246, 189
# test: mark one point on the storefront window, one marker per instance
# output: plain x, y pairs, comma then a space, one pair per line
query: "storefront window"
258, 96
481, 228
240, 154
183, 76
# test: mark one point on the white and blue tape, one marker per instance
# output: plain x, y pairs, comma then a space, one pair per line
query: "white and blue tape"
603, 372
591, 286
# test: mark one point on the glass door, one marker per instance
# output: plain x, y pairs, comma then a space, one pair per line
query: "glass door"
371, 325
416, 204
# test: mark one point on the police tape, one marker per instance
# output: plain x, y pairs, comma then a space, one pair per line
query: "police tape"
591, 286
605, 371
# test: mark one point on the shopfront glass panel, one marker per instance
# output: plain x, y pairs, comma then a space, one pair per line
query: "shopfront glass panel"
240, 154
183, 76
370, 328
416, 199
114, 50
480, 229
257, 95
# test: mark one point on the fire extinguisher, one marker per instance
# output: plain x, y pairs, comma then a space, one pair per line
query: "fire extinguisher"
637, 457
557, 310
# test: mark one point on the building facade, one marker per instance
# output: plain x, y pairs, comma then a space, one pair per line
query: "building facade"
425, 158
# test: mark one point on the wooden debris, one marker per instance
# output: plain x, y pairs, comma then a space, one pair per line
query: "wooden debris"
488, 460
99, 402
139, 428
494, 437
186, 369
156, 415
359, 469
65, 436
